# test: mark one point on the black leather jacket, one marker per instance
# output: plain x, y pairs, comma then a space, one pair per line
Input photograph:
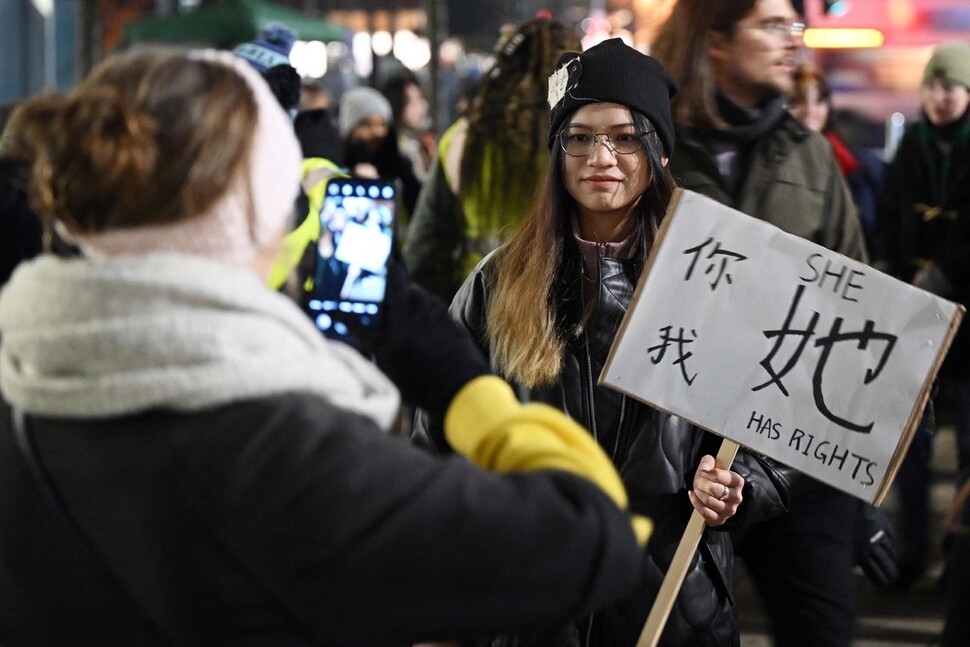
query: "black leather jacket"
656, 455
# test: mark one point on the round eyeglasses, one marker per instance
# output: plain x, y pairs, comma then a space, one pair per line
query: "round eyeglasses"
780, 28
579, 141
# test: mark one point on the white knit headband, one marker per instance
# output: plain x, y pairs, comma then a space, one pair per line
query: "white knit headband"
225, 230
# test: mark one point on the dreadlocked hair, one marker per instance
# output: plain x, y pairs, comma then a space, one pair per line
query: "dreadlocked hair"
505, 150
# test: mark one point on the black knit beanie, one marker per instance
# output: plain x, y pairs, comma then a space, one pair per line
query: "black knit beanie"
617, 73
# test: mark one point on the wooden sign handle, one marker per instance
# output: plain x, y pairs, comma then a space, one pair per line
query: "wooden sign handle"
674, 578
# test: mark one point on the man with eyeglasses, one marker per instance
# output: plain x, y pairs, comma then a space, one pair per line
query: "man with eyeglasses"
736, 143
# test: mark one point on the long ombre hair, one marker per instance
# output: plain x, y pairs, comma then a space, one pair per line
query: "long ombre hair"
536, 275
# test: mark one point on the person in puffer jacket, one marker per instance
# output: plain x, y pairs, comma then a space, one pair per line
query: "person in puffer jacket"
546, 308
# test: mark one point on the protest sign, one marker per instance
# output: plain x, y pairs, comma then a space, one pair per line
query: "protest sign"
780, 345
790, 349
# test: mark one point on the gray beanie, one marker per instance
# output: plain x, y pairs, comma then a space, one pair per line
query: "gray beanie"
358, 104
951, 61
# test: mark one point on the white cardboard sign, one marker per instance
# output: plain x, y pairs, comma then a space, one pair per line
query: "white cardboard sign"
787, 348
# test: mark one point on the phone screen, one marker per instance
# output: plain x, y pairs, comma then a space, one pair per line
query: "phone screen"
357, 223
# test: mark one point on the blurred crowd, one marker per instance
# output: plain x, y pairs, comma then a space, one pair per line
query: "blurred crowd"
185, 457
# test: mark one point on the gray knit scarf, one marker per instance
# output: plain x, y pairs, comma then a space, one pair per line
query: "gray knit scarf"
85, 339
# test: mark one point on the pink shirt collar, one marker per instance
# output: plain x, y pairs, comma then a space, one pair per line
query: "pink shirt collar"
591, 251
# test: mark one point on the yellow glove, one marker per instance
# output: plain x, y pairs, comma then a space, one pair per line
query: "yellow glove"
488, 425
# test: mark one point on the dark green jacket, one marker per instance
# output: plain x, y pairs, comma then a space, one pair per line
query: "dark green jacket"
792, 182
924, 220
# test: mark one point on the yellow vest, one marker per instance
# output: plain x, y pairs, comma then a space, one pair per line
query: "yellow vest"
317, 173
486, 228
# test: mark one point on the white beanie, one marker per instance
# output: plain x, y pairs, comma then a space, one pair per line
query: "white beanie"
360, 103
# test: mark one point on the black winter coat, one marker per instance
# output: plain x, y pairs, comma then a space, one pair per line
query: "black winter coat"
287, 521
657, 455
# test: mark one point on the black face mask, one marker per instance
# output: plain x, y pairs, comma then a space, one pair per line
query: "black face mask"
383, 154
358, 152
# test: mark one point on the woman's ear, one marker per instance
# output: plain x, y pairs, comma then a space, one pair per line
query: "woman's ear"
664, 160
715, 43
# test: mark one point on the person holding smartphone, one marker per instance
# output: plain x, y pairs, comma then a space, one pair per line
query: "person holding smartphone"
184, 459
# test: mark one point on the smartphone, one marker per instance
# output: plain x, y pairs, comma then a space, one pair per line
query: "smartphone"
358, 219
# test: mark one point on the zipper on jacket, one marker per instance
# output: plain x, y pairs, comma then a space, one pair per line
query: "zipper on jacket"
591, 406
591, 411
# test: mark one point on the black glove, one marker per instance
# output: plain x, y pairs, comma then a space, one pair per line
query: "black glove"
875, 549
427, 355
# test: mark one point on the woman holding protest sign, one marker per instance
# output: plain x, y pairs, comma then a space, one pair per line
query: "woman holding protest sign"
546, 307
